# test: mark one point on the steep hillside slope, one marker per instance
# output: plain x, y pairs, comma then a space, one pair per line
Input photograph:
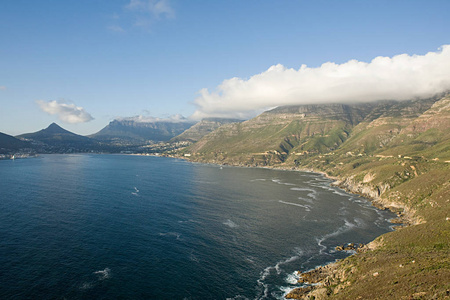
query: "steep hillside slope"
202, 128
284, 134
396, 153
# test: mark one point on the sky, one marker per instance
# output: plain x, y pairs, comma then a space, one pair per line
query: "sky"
85, 63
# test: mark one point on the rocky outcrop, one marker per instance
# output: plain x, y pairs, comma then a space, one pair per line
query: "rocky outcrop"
375, 192
323, 281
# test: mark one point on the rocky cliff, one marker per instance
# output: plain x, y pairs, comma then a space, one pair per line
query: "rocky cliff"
395, 153
202, 128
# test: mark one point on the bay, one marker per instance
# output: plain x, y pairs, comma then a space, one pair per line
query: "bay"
134, 227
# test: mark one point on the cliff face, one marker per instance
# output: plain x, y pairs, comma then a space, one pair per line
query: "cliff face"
293, 133
202, 128
395, 153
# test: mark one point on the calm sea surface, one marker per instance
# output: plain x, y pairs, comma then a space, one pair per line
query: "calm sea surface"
132, 227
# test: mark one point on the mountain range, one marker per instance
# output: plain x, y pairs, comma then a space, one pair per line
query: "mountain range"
293, 133
395, 153
134, 132
117, 136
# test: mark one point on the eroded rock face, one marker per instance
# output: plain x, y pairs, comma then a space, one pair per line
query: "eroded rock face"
349, 247
323, 281
299, 293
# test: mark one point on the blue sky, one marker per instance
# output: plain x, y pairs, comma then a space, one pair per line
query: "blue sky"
104, 59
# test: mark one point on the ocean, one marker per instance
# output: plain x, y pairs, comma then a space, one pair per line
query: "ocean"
95, 226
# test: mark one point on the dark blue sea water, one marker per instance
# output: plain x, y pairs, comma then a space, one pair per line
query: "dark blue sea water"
132, 227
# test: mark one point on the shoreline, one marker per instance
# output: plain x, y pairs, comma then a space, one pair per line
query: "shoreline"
316, 282
334, 271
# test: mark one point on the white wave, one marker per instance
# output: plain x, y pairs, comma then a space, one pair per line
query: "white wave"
230, 224
171, 234
306, 200
278, 269
250, 259
193, 258
293, 278
312, 193
337, 192
262, 179
302, 189
135, 194
280, 182
238, 297
347, 226
103, 274
285, 290
265, 273
187, 221
306, 207
264, 286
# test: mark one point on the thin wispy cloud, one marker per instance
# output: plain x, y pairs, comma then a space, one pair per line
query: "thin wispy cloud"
152, 8
66, 112
2, 88
141, 14
400, 77
116, 28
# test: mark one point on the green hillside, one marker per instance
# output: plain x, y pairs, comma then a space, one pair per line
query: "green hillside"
202, 128
396, 153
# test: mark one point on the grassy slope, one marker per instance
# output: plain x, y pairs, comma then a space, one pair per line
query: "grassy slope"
411, 175
399, 157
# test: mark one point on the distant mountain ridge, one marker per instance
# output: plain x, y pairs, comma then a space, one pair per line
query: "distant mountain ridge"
9, 143
57, 139
131, 131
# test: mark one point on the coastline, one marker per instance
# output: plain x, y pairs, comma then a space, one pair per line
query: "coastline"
317, 282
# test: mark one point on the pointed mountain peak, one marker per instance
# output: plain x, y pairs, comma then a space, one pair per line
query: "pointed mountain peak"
55, 128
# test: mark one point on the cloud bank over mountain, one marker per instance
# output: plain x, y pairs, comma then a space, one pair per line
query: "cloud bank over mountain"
149, 119
66, 112
400, 77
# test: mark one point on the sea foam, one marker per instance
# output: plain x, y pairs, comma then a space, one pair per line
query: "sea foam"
103, 274
230, 224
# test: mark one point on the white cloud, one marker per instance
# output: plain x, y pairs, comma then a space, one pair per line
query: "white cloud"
148, 119
2, 88
401, 77
69, 113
